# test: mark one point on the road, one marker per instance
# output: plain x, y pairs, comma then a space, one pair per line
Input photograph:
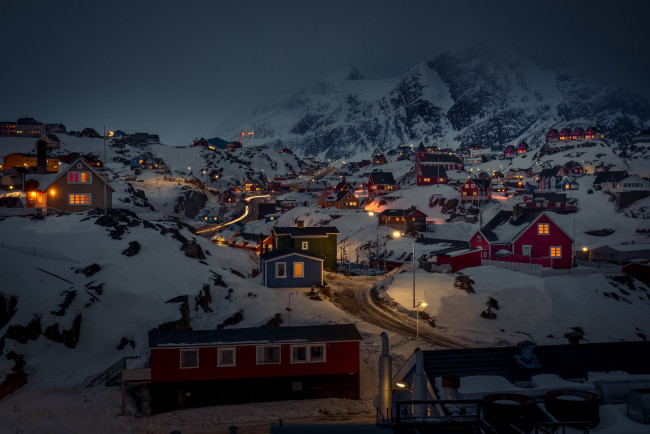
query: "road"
359, 296
249, 214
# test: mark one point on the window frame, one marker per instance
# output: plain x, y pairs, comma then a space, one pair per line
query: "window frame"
304, 245
277, 266
81, 174
553, 250
308, 353
234, 357
89, 202
543, 229
188, 350
302, 268
262, 347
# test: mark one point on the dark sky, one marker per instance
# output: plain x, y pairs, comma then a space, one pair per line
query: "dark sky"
181, 68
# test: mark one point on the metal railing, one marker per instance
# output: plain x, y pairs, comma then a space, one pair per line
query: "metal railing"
109, 376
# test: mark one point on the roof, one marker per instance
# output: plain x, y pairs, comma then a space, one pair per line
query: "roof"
433, 171
548, 173
383, 178
399, 212
441, 246
282, 253
321, 231
503, 229
314, 333
566, 361
341, 195
483, 184
550, 197
610, 176
441, 158
52, 137
67, 169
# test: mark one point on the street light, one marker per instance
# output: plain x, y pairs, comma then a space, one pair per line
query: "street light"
413, 261
417, 322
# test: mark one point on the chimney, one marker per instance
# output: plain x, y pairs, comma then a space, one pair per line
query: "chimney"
573, 337
516, 212
385, 383
41, 156
300, 223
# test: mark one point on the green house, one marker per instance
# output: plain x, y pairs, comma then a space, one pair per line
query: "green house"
317, 241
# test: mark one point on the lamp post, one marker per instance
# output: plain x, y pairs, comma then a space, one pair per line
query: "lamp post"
417, 322
397, 234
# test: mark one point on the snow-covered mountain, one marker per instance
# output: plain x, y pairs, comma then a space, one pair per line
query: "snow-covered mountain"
474, 95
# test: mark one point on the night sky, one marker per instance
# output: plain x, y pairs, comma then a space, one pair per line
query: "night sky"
182, 68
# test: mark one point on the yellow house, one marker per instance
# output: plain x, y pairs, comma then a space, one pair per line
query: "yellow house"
28, 160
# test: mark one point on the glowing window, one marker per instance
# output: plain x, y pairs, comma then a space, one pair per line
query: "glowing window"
543, 229
556, 252
80, 199
79, 178
299, 269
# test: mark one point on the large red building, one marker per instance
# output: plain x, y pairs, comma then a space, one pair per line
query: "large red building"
195, 368
524, 236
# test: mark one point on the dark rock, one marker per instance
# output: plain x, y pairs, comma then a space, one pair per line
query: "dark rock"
191, 202
237, 273
184, 322
133, 249
98, 289
118, 231
193, 250
133, 223
124, 342
492, 303
147, 224
218, 280
69, 338
106, 221
16, 379
488, 314
235, 319
276, 321
204, 299
8, 305
89, 270
22, 334
67, 300
175, 234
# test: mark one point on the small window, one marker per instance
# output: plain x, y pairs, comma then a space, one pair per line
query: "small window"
556, 252
226, 357
268, 355
299, 354
80, 199
543, 229
305, 245
317, 353
281, 269
299, 269
189, 359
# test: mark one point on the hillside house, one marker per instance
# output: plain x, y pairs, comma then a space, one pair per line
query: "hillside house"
318, 241
432, 175
378, 159
573, 168
195, 368
319, 187
522, 148
446, 160
147, 161
476, 190
254, 243
630, 183
27, 161
227, 197
29, 127
565, 134
509, 151
557, 183
497, 148
89, 132
404, 220
593, 133
52, 140
577, 134
497, 177
343, 186
342, 200
527, 237
552, 135
212, 215
607, 179
233, 145
456, 254
289, 268
289, 204
200, 142
250, 187
381, 183
77, 188
550, 202
14, 177
55, 128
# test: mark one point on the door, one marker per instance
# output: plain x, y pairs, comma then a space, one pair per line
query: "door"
525, 250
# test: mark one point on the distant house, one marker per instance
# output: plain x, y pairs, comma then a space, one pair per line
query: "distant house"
381, 183
319, 187
345, 199
227, 197
55, 128
13, 177
254, 243
509, 151
564, 134
29, 127
233, 145
557, 183
630, 183
289, 204
552, 135
212, 215
592, 133
289, 268
577, 134
496, 148
379, 158
456, 254
27, 161
195, 368
404, 220
551, 202
317, 241
446, 160
573, 168
432, 175
200, 142
521, 148
621, 253
642, 136
476, 190
147, 161
342, 186
77, 188
527, 237
607, 179
52, 140
250, 186
89, 132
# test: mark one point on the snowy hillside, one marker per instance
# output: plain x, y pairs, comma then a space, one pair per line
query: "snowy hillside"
474, 95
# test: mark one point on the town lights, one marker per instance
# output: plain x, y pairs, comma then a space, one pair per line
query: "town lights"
52, 192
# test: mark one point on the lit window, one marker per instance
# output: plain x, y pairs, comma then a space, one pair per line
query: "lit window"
299, 269
427, 179
189, 359
281, 269
268, 355
79, 178
226, 357
556, 252
543, 229
305, 245
80, 199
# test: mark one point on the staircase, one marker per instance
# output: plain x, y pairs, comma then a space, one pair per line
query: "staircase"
111, 376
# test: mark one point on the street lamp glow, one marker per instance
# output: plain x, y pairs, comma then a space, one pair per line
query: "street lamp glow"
400, 385
371, 213
397, 234
584, 249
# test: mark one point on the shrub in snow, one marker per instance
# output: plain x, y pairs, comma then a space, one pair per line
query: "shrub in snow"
133, 249
89, 270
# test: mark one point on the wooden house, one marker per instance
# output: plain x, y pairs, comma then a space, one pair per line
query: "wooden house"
289, 204
317, 241
432, 175
605, 180
552, 135
630, 183
476, 190
212, 215
381, 183
19, 159
378, 159
227, 197
89, 132
55, 128
509, 151
577, 134
573, 168
342, 186
194, 368
550, 202
564, 134
147, 161
233, 145
289, 268
404, 220
254, 243
456, 254
527, 237
592, 133
52, 140
77, 188
446, 160
342, 200
522, 148
200, 142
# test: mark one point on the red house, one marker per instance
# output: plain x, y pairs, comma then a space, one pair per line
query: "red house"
565, 134
552, 135
431, 175
194, 368
577, 134
592, 133
509, 151
521, 148
476, 190
522, 236
573, 167
551, 202
381, 183
404, 220
234, 145
201, 142
455, 253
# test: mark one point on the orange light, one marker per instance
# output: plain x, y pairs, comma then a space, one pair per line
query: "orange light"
52, 192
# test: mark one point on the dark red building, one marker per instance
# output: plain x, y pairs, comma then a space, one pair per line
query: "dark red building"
552, 135
577, 134
431, 175
381, 183
524, 236
521, 148
195, 368
565, 134
476, 190
509, 151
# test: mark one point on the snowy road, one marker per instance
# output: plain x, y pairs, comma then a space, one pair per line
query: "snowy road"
359, 296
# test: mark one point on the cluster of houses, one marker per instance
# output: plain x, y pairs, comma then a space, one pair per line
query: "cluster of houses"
577, 133
217, 143
120, 139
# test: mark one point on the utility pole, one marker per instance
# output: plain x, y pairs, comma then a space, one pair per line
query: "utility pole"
105, 180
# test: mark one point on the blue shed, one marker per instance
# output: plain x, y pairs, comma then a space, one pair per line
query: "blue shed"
288, 268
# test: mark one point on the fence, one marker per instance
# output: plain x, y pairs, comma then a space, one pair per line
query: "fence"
35, 251
538, 270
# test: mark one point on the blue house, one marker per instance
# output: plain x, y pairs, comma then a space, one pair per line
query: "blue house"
212, 215
568, 183
288, 268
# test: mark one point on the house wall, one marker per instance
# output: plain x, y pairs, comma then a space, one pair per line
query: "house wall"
471, 259
321, 247
478, 241
313, 273
17, 160
541, 244
57, 196
340, 358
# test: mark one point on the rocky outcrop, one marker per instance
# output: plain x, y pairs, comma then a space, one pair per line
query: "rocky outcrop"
191, 202
133, 249
22, 334
69, 338
8, 305
193, 250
